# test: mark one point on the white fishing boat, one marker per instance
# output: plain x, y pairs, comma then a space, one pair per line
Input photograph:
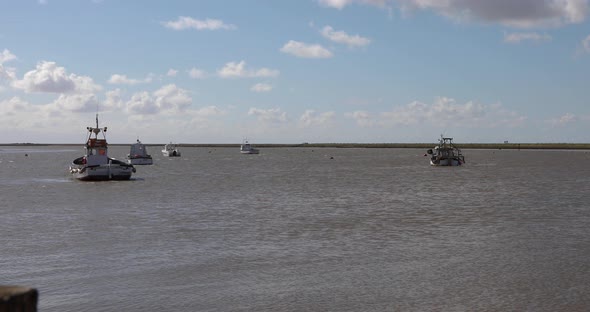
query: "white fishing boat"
138, 155
446, 153
247, 148
170, 150
96, 165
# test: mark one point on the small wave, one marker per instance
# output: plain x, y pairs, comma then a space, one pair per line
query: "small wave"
51, 180
33, 181
29, 151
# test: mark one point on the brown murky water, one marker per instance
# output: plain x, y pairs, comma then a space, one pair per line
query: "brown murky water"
294, 230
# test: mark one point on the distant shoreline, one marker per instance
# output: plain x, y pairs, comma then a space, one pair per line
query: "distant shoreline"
553, 146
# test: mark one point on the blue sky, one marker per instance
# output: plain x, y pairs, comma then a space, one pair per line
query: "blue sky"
292, 71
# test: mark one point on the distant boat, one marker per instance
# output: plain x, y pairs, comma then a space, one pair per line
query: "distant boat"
170, 150
247, 148
446, 153
95, 165
138, 155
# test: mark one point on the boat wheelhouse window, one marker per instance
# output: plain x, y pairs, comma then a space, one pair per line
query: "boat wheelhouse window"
97, 151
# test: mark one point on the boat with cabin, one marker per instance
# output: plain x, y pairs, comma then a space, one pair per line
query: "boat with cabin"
138, 155
247, 148
95, 164
171, 150
446, 153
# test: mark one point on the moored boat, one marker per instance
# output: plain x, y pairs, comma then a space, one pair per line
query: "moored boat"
138, 155
446, 153
247, 148
95, 164
170, 150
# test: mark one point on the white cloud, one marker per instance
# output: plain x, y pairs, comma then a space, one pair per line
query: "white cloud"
196, 73
113, 101
512, 13
19, 116
520, 13
586, 44
305, 50
362, 118
6, 56
7, 73
14, 106
184, 22
446, 112
312, 118
261, 87
172, 72
171, 97
526, 36
142, 103
232, 70
50, 78
168, 99
340, 4
208, 111
344, 38
77, 103
566, 119
203, 118
238, 70
265, 72
122, 79
268, 115
17, 113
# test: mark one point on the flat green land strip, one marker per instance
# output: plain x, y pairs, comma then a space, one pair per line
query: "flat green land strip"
561, 146
565, 146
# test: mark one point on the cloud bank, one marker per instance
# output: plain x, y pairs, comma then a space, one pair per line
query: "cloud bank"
344, 38
304, 50
184, 22
48, 77
239, 70
511, 13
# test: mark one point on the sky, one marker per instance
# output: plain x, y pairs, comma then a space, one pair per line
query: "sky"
293, 71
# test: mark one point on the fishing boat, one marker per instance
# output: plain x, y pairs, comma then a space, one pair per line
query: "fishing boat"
138, 155
170, 150
247, 148
446, 153
95, 164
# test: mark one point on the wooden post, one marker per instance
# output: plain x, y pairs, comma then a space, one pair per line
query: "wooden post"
18, 299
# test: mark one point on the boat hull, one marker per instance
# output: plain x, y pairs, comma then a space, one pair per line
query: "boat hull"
170, 153
114, 170
140, 161
102, 173
446, 162
253, 151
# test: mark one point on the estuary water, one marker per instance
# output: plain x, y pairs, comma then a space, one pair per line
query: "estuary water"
300, 229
